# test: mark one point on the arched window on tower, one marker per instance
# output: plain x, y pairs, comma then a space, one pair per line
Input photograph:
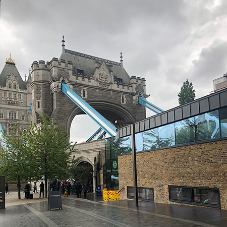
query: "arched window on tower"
14, 86
10, 85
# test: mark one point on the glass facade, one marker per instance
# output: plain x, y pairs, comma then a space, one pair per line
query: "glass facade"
114, 148
207, 126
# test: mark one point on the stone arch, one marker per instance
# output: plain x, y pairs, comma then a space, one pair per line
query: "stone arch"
110, 111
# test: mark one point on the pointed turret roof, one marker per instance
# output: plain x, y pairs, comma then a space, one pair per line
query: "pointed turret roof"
8, 70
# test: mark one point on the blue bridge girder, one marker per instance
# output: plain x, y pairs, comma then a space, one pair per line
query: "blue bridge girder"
149, 105
89, 110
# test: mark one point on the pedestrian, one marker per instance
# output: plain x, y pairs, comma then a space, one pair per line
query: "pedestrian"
80, 189
41, 189
77, 190
68, 188
27, 189
85, 190
62, 188
7, 188
35, 188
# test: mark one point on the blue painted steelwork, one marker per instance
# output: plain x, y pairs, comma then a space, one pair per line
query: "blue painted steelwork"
90, 111
2, 137
101, 136
98, 131
31, 107
149, 105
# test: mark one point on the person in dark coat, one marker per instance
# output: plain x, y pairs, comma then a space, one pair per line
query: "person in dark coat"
41, 189
7, 188
68, 188
27, 189
85, 190
77, 190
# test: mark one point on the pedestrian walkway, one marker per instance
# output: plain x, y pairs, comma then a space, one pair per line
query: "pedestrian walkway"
95, 212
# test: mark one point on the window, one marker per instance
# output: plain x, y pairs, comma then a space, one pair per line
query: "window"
12, 115
185, 131
150, 139
84, 93
143, 193
1, 115
207, 126
123, 99
38, 104
194, 195
19, 96
15, 96
166, 136
223, 121
5, 95
10, 85
10, 95
14, 86
22, 117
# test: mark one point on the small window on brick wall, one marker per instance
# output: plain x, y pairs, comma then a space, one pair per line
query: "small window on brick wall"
143, 193
1, 115
194, 195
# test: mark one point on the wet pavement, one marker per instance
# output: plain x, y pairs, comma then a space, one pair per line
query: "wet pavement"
95, 212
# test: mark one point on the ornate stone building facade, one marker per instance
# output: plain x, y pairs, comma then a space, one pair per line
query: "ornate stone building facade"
15, 98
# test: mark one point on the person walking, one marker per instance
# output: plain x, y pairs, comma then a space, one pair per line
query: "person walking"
85, 190
35, 188
7, 188
41, 189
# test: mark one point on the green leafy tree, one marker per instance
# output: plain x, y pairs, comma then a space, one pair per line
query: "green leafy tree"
187, 93
52, 149
16, 160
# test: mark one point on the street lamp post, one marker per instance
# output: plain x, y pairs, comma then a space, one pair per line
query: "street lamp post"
134, 165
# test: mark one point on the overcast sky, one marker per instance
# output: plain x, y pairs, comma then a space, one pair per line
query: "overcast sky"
164, 41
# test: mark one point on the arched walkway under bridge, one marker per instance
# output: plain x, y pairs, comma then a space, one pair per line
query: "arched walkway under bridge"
92, 154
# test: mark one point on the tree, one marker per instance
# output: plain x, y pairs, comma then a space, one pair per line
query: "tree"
52, 149
187, 93
16, 160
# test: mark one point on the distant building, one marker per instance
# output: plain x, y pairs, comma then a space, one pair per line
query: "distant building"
15, 98
220, 83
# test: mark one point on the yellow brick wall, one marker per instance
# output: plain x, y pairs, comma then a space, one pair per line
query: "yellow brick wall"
198, 165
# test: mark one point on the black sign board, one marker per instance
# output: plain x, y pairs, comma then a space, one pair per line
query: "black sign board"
54, 200
2, 192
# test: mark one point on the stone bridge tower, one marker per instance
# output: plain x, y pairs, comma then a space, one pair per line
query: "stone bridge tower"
102, 83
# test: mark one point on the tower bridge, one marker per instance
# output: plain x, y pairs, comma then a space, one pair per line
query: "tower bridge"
103, 84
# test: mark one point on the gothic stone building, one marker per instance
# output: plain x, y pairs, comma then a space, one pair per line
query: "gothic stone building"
15, 98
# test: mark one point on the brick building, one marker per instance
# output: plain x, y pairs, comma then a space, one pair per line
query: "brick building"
181, 155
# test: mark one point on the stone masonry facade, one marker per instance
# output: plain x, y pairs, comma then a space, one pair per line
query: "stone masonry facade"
197, 165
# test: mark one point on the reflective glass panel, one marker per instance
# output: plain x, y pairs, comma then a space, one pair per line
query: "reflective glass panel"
207, 126
125, 145
150, 139
223, 120
185, 131
166, 136
139, 141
